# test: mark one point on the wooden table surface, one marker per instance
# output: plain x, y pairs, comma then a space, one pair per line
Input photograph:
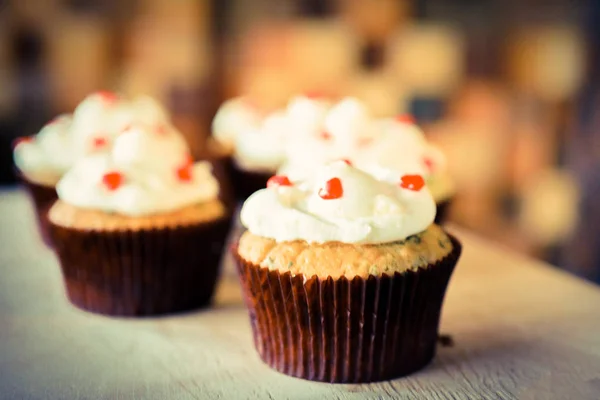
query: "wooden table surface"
519, 329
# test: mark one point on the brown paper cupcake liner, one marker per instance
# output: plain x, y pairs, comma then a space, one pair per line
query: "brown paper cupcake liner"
141, 273
43, 198
441, 212
246, 182
346, 330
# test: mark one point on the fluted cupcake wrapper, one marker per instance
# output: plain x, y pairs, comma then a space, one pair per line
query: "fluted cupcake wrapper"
441, 210
346, 331
246, 182
43, 198
141, 273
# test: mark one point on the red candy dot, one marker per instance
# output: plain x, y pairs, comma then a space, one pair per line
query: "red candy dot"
127, 128
278, 180
112, 180
253, 104
324, 135
99, 142
106, 96
333, 189
405, 119
428, 163
184, 172
364, 141
314, 95
24, 139
412, 182
161, 129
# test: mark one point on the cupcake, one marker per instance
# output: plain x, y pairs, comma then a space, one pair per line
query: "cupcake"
344, 275
138, 227
254, 142
41, 160
346, 130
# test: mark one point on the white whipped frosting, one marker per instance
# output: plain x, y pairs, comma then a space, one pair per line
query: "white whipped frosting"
348, 122
104, 115
261, 147
149, 165
47, 156
234, 116
396, 144
259, 142
306, 115
402, 146
255, 139
368, 211
96, 121
336, 131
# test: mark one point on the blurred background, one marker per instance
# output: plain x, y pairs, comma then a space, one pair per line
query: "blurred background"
507, 88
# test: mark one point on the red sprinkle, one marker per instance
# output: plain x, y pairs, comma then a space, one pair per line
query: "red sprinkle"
412, 182
278, 180
333, 189
315, 95
324, 135
106, 96
251, 103
161, 129
405, 119
23, 139
99, 142
112, 180
364, 141
184, 172
428, 163
348, 162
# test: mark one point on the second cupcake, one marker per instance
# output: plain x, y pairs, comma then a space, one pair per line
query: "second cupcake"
138, 227
344, 275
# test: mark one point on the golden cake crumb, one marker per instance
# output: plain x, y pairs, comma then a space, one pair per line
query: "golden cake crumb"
64, 214
337, 259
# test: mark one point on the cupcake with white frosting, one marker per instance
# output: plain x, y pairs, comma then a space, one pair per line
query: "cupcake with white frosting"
42, 160
138, 227
347, 130
344, 274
